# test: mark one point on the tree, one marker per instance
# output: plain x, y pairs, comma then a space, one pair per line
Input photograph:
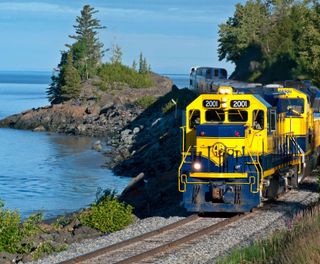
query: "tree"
87, 49
134, 65
54, 90
272, 40
143, 65
70, 79
116, 54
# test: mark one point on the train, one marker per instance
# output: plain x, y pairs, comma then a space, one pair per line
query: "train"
243, 146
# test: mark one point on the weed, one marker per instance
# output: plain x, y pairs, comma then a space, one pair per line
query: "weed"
146, 101
168, 107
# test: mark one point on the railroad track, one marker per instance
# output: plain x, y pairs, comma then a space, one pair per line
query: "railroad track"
151, 244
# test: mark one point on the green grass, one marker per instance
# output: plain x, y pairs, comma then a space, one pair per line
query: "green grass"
146, 101
113, 75
299, 244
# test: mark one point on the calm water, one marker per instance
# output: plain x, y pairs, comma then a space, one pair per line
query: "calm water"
38, 171
180, 80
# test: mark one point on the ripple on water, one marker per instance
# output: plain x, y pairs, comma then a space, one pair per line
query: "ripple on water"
53, 173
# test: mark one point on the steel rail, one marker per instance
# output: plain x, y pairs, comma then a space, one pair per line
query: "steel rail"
160, 249
169, 246
125, 243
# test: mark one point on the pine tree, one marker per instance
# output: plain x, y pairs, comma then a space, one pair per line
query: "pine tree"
143, 65
70, 79
116, 55
134, 65
87, 49
54, 90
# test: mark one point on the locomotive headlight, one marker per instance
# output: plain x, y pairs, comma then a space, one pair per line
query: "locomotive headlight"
222, 91
197, 165
224, 105
227, 91
224, 100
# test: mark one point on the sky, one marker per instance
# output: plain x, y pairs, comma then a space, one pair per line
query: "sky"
173, 35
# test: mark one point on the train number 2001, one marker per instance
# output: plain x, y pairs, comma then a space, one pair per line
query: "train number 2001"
240, 103
211, 103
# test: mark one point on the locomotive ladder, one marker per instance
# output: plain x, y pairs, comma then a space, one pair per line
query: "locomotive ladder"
300, 152
258, 170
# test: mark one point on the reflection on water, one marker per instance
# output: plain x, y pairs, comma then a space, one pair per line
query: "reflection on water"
53, 173
38, 171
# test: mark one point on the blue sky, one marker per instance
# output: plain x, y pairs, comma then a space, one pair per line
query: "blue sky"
174, 35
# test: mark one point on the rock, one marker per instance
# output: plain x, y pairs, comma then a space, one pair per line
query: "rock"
82, 232
136, 130
97, 146
39, 129
7, 258
126, 132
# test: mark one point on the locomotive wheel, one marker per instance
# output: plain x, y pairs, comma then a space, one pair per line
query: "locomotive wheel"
218, 149
293, 181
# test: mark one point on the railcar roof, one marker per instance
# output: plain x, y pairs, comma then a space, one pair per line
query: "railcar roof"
262, 100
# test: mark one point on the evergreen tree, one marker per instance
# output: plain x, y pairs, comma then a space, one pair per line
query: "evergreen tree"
54, 90
116, 55
134, 65
70, 79
87, 48
143, 65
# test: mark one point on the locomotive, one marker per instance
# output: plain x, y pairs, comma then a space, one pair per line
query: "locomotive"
243, 146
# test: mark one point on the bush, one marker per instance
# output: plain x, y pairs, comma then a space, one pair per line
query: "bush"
118, 73
146, 101
168, 107
10, 233
108, 214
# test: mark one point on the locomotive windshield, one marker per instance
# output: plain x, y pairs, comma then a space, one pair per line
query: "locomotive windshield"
219, 115
291, 106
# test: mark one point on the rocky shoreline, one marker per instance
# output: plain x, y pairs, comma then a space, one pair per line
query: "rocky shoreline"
144, 138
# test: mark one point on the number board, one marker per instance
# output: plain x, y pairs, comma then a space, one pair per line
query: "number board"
211, 103
240, 103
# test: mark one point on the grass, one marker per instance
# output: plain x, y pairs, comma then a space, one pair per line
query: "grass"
115, 74
299, 244
146, 101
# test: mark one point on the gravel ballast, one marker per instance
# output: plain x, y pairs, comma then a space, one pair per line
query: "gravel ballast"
263, 223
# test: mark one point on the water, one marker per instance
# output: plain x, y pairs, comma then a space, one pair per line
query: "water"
51, 173
180, 80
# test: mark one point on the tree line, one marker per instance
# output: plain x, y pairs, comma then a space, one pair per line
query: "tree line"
83, 60
273, 40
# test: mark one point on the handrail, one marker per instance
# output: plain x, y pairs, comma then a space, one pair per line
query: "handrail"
184, 156
183, 128
255, 162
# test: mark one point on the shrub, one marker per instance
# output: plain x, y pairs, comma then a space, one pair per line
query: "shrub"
108, 214
168, 107
118, 73
146, 101
10, 233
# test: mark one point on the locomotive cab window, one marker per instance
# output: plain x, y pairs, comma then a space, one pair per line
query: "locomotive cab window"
194, 118
213, 115
258, 119
238, 116
273, 120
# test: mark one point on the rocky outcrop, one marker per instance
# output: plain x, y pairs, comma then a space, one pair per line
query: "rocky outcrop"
96, 113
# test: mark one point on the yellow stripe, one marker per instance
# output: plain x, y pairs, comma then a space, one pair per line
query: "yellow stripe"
217, 175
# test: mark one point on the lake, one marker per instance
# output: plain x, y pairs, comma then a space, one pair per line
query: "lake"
51, 173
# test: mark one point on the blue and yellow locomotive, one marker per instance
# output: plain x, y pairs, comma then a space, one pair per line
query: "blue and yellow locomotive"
240, 147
